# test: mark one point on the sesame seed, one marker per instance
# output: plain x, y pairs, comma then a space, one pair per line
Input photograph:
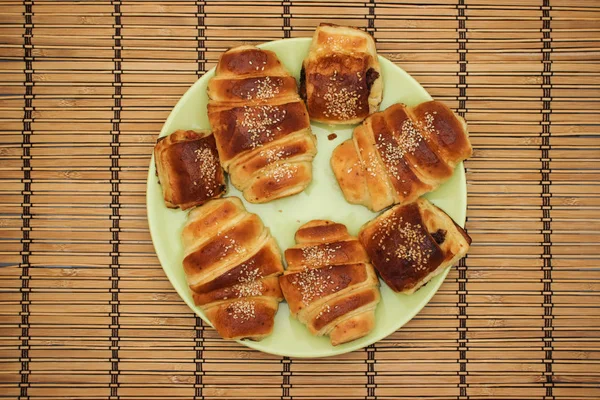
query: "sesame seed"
319, 256
265, 89
260, 121
242, 310
324, 310
207, 163
340, 102
272, 154
394, 149
408, 240
311, 284
281, 172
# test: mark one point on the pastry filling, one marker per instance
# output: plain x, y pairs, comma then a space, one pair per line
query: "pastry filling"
302, 88
372, 76
439, 236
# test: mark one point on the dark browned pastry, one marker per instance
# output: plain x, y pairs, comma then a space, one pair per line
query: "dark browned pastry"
329, 284
187, 164
410, 244
399, 154
261, 125
232, 262
341, 79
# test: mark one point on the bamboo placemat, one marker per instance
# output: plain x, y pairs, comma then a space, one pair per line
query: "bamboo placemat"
85, 309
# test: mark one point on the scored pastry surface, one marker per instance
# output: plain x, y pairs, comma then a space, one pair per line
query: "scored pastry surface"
261, 125
341, 78
188, 168
399, 154
410, 244
329, 284
231, 263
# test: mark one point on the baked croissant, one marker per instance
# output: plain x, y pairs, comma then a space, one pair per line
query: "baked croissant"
329, 284
187, 165
410, 244
341, 79
231, 263
260, 124
399, 154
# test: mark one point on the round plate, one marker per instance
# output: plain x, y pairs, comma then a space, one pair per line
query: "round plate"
322, 199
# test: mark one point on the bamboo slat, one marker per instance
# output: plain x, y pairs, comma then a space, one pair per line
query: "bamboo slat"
85, 308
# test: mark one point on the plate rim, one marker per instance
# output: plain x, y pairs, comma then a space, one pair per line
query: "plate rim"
255, 345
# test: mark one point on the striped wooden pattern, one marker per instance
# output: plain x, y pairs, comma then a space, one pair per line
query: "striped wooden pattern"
85, 309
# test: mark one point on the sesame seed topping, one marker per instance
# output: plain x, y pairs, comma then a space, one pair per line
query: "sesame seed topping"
318, 256
408, 240
233, 245
273, 154
406, 141
207, 163
324, 310
341, 103
338, 43
265, 89
242, 310
281, 172
311, 284
249, 283
259, 122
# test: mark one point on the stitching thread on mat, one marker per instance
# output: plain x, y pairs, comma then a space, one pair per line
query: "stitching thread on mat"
371, 349
546, 195
114, 378
26, 217
201, 39
287, 26
462, 266
285, 386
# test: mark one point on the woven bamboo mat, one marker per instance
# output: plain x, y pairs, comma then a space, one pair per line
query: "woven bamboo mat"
85, 309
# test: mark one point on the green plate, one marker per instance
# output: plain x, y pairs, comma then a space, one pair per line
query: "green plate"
322, 199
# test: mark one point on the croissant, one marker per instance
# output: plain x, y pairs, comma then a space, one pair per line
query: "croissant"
232, 264
260, 124
187, 165
340, 78
399, 154
329, 284
410, 244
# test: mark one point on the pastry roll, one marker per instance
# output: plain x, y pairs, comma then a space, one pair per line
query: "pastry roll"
187, 165
341, 79
410, 244
329, 284
399, 154
261, 125
231, 263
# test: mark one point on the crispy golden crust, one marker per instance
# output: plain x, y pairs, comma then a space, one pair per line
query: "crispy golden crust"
232, 265
410, 244
331, 279
233, 320
248, 128
341, 78
329, 284
260, 124
187, 164
268, 287
399, 154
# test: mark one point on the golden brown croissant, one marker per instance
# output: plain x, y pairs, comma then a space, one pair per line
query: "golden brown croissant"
410, 244
399, 154
260, 124
341, 79
232, 262
187, 165
329, 284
